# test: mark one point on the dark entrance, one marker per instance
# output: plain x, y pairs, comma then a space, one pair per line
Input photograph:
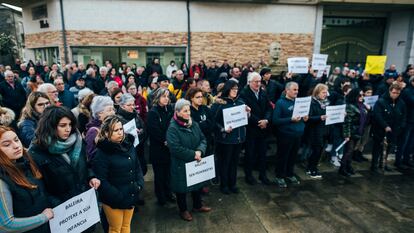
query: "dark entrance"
350, 40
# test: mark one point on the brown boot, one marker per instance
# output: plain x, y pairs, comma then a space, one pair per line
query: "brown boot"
203, 209
185, 215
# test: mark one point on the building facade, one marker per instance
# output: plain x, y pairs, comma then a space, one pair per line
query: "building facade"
11, 24
239, 31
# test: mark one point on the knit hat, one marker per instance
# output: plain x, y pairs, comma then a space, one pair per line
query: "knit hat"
99, 103
125, 98
162, 78
265, 70
83, 93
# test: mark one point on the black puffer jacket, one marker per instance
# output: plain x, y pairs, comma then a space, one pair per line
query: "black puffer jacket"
118, 168
62, 180
27, 202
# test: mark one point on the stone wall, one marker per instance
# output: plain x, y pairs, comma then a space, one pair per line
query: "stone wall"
236, 47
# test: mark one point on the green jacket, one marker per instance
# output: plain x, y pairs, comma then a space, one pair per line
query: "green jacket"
183, 142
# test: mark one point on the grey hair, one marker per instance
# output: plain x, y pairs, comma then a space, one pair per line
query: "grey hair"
56, 79
99, 103
125, 98
158, 94
103, 68
89, 71
8, 72
181, 103
45, 87
111, 84
290, 84
251, 75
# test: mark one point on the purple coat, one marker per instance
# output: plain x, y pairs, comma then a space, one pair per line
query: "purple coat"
92, 130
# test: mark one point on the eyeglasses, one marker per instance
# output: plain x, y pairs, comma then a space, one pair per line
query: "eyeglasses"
257, 81
59, 84
52, 92
235, 89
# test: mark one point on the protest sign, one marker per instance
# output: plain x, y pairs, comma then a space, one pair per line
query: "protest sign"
371, 100
235, 117
375, 64
324, 71
298, 65
197, 172
319, 61
76, 214
327, 70
302, 106
131, 128
335, 114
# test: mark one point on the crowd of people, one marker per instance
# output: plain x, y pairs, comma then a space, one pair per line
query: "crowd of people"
61, 132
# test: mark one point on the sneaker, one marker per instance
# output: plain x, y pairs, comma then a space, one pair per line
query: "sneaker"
281, 182
335, 162
328, 148
308, 172
315, 175
293, 180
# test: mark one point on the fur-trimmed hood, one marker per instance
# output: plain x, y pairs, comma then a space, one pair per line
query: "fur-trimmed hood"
7, 116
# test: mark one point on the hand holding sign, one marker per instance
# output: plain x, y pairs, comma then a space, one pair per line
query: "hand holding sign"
302, 107
48, 212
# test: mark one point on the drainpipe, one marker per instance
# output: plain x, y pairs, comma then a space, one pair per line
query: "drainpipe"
188, 34
65, 46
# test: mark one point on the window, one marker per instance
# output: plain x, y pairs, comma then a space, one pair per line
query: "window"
39, 12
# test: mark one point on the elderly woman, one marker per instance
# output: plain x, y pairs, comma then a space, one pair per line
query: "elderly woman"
23, 201
101, 107
128, 113
159, 118
316, 127
228, 141
140, 101
35, 105
117, 165
187, 143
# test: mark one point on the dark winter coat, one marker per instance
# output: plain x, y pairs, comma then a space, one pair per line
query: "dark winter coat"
62, 180
351, 126
273, 90
119, 170
260, 110
183, 143
236, 136
389, 114
27, 129
128, 116
67, 99
27, 202
158, 122
96, 84
315, 126
13, 98
408, 96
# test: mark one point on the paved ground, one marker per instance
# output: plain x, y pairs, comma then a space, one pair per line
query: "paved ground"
363, 203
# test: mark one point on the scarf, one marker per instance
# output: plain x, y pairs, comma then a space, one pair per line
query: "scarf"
182, 122
70, 148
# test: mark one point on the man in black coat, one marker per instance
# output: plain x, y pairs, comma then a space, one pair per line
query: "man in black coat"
96, 84
272, 88
389, 121
408, 145
257, 129
12, 93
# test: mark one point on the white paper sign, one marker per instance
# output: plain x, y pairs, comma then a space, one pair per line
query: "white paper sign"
371, 100
197, 172
327, 70
320, 73
235, 117
76, 214
335, 114
298, 65
302, 106
319, 61
131, 128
